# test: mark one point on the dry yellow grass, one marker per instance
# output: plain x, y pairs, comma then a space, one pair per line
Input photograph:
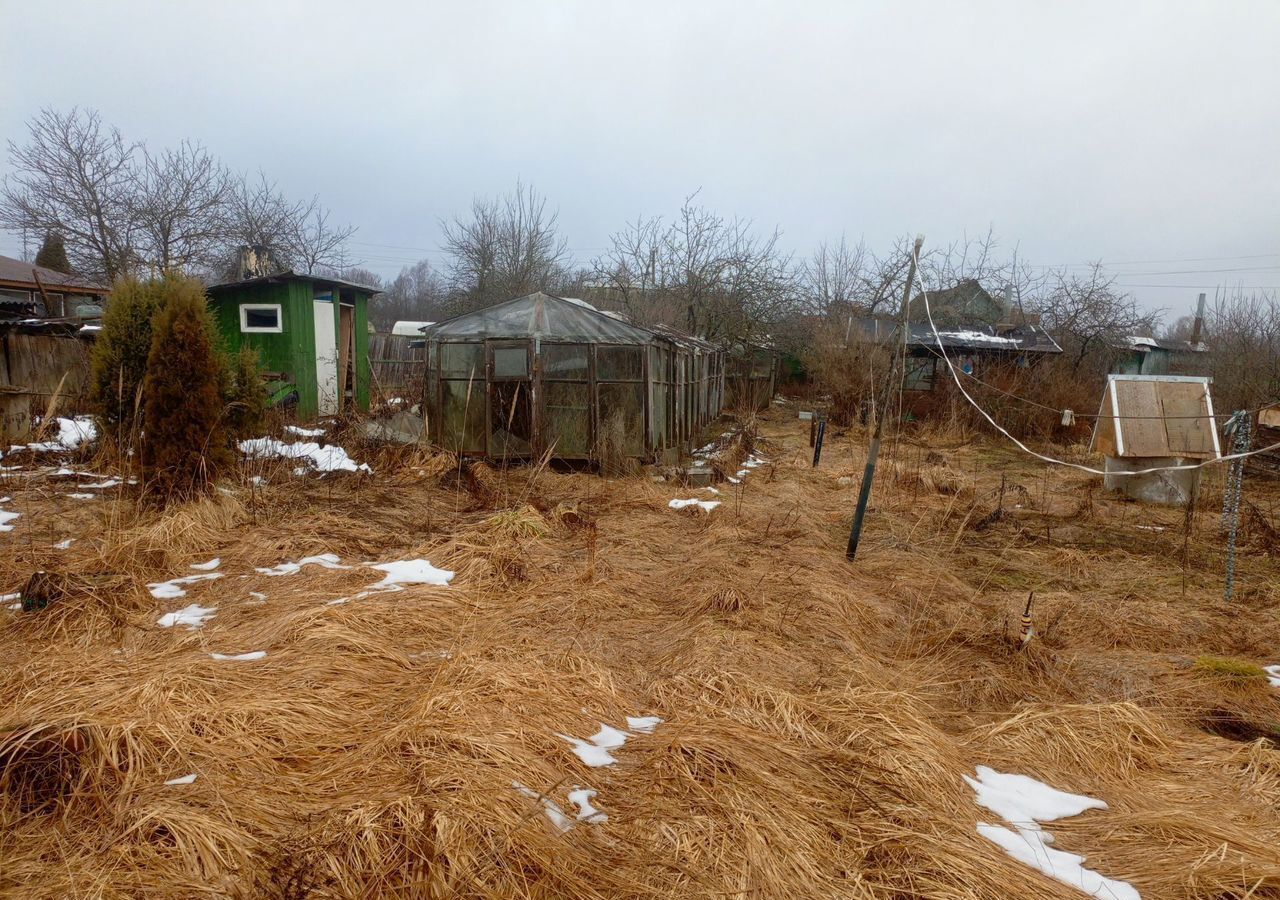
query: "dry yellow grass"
817, 715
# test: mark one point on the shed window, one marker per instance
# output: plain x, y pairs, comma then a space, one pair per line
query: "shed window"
919, 373
260, 317
462, 360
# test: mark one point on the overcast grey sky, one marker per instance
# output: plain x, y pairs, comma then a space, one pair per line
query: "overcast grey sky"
1121, 131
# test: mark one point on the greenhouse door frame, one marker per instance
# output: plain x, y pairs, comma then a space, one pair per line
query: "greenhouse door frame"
498, 386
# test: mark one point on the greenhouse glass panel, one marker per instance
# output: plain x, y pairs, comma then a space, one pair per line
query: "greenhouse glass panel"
462, 361
510, 362
462, 416
566, 362
622, 416
510, 419
567, 418
619, 363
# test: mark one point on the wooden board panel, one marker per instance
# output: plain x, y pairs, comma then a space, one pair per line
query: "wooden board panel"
1142, 427
1104, 430
1187, 436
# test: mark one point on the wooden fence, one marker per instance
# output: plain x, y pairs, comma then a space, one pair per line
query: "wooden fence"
398, 369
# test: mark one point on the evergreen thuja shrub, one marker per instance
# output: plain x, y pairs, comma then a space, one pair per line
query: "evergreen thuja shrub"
53, 254
245, 395
184, 444
118, 363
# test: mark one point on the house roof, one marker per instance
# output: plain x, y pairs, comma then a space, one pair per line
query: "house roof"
541, 316
1018, 339
1142, 344
16, 273
282, 277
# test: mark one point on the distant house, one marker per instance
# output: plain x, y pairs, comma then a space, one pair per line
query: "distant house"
968, 302
1139, 355
991, 353
311, 333
29, 291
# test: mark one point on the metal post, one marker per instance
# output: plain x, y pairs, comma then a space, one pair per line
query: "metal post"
873, 452
817, 442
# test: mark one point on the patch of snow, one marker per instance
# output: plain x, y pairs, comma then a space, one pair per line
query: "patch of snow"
410, 571
257, 480
552, 809
594, 751
16, 595
643, 724
733, 480
304, 432
183, 779
323, 459
208, 566
1024, 803
704, 505
978, 337
240, 657
74, 496
1273, 674
743, 473
581, 798
14, 606
72, 433
109, 483
327, 560
712, 490
5, 518
173, 588
258, 596
192, 616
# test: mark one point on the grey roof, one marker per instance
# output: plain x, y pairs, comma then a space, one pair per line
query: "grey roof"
1018, 339
279, 277
541, 316
15, 272
1143, 344
683, 339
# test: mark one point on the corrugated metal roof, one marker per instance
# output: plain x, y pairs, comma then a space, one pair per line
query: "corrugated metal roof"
15, 271
1019, 339
541, 316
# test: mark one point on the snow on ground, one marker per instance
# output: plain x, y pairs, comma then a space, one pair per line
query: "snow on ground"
327, 560
174, 587
581, 798
594, 751
704, 505
643, 724
240, 657
552, 809
64, 544
192, 616
5, 518
72, 433
1024, 803
208, 566
81, 496
1273, 675
182, 779
322, 459
304, 432
103, 485
409, 571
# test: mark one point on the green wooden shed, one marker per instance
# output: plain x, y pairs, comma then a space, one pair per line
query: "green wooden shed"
311, 333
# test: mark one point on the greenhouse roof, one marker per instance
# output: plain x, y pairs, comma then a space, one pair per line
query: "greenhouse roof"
541, 316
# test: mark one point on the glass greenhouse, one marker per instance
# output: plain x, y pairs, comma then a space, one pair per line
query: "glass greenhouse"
540, 372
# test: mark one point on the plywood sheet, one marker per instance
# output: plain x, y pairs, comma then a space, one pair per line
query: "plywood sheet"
1142, 426
1187, 423
1104, 429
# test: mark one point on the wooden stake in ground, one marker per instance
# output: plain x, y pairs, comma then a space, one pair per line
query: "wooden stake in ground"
869, 474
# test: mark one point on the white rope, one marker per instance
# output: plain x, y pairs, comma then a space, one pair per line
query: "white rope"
1049, 459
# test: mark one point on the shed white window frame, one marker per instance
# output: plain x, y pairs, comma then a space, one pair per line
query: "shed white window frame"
246, 328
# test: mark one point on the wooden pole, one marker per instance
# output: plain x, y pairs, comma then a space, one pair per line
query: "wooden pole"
873, 452
35, 273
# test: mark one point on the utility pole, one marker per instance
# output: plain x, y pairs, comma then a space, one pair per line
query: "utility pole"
873, 452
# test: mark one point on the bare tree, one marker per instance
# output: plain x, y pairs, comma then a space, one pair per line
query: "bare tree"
181, 208
313, 243
833, 278
509, 246
1087, 313
419, 293
75, 176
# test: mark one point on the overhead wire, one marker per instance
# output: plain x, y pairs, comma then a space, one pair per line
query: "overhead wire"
1049, 459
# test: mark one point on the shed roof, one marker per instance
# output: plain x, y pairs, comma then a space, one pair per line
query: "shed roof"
541, 316
16, 273
1146, 416
1143, 344
282, 277
1018, 339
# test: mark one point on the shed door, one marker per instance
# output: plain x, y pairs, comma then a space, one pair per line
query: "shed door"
326, 359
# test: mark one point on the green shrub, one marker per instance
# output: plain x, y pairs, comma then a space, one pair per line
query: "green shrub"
53, 254
245, 395
184, 445
118, 364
